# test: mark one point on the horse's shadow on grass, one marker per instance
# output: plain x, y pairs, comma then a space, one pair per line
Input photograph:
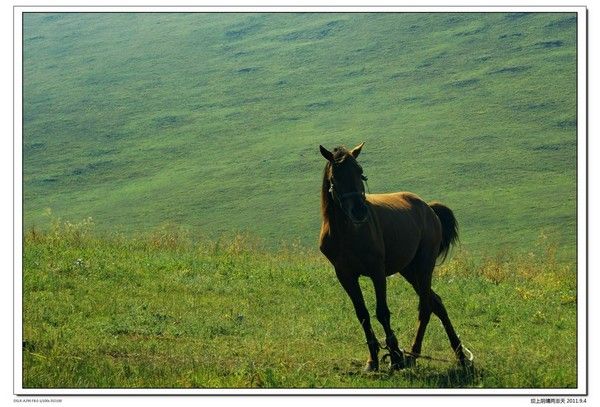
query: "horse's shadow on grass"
424, 375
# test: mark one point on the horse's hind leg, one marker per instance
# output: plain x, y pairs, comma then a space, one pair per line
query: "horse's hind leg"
419, 275
439, 309
424, 317
422, 286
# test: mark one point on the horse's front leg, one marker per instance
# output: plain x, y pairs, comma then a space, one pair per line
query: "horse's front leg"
383, 316
352, 287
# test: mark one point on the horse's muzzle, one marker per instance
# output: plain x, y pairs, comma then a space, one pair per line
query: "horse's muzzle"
359, 214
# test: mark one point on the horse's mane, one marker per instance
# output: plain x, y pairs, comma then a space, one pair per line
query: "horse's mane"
326, 207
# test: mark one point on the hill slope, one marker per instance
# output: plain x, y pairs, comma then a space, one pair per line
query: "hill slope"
213, 121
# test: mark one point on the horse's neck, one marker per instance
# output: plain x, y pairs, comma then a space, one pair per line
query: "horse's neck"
337, 221
333, 218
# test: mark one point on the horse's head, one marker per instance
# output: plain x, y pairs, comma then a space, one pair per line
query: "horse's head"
345, 179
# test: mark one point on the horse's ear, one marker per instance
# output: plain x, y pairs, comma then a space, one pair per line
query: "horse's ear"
356, 150
326, 153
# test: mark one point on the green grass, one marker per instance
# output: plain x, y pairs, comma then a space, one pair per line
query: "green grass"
160, 311
212, 121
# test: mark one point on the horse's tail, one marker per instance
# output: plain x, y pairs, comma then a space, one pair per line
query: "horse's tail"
449, 227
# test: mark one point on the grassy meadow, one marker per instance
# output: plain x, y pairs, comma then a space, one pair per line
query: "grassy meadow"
191, 140
159, 311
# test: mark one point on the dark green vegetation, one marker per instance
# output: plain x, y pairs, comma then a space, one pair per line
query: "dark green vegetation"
160, 311
212, 121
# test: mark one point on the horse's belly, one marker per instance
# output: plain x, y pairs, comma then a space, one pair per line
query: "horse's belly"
401, 245
398, 257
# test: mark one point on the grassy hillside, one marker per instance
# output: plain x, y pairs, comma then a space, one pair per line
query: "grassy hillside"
213, 121
158, 311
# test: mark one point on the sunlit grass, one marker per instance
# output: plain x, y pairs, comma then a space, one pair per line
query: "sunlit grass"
162, 310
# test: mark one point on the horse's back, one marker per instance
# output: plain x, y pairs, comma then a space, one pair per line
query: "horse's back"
408, 224
400, 208
395, 200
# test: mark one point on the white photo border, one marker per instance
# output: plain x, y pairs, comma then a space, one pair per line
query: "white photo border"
582, 204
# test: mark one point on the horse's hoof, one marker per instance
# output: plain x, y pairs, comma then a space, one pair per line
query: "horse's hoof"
398, 360
410, 361
466, 358
371, 366
467, 365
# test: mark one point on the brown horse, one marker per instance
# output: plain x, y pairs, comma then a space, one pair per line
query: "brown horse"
377, 235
